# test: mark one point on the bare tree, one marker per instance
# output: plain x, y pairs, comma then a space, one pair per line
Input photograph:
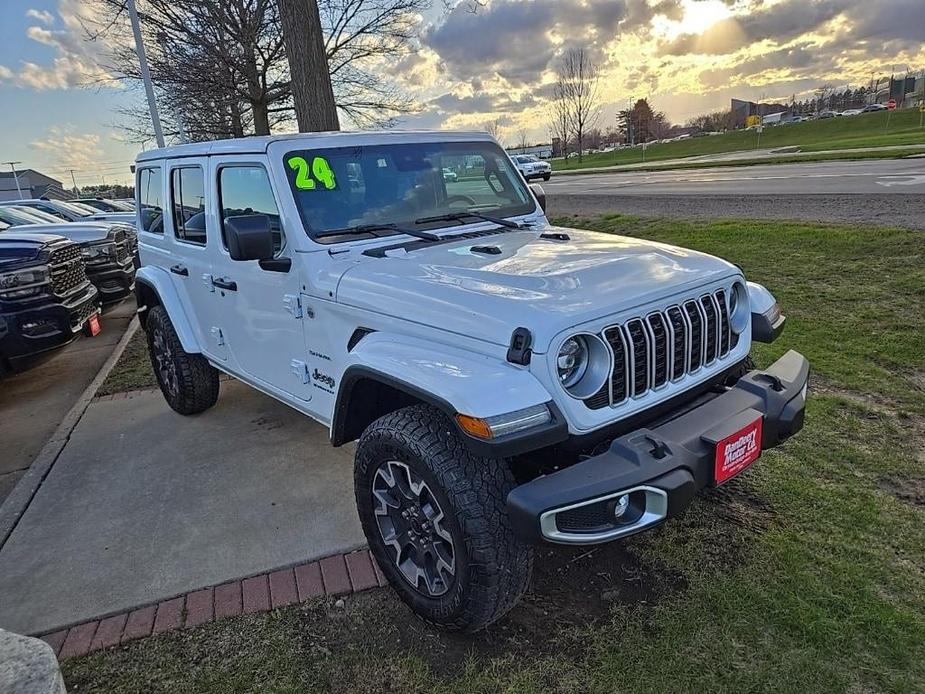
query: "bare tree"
561, 126
310, 79
522, 139
577, 93
493, 128
220, 66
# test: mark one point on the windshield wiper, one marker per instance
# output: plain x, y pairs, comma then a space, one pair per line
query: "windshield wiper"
373, 228
459, 216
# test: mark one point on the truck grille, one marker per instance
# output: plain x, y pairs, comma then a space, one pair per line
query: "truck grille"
663, 346
67, 269
123, 246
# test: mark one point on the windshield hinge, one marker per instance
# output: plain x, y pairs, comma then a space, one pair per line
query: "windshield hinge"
293, 304
300, 369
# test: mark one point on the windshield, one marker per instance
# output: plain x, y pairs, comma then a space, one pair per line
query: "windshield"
341, 188
82, 208
15, 217
41, 216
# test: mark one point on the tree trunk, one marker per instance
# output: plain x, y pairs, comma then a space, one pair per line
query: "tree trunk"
308, 65
261, 118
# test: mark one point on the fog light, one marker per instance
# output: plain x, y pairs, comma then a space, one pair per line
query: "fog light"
621, 505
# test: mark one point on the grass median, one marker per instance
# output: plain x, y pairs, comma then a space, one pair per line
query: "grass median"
805, 574
866, 130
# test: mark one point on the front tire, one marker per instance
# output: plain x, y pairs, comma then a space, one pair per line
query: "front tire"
435, 519
188, 381
546, 177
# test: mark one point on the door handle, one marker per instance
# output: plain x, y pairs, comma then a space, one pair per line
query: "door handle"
225, 283
179, 270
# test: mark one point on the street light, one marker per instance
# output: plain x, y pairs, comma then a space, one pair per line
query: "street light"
15, 177
145, 73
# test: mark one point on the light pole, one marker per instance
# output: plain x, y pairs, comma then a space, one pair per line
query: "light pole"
145, 73
15, 177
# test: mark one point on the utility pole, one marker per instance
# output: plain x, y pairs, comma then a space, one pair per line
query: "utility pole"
15, 177
74, 181
312, 93
145, 73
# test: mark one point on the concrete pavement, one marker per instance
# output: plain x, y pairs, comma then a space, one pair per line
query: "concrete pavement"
33, 403
144, 504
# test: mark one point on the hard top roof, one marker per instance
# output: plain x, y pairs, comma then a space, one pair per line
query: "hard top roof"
259, 145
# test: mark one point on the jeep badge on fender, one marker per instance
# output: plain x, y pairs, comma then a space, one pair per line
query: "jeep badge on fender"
406, 290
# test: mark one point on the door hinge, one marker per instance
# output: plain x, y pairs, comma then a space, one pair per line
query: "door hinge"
293, 304
207, 280
300, 369
218, 336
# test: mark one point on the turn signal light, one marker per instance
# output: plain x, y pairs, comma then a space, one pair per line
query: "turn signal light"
474, 426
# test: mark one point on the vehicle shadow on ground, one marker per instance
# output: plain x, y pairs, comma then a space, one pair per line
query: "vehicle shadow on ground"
572, 588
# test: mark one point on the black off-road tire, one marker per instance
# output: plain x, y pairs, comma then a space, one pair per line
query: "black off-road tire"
188, 381
492, 566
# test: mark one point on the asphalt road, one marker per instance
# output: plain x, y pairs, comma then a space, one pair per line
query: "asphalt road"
872, 191
33, 402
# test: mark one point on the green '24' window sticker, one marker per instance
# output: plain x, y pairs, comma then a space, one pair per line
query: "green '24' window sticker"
307, 177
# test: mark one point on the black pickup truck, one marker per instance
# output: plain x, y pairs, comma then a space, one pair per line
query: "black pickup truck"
109, 249
46, 299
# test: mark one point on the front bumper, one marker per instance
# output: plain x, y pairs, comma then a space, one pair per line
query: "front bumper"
659, 469
45, 324
114, 280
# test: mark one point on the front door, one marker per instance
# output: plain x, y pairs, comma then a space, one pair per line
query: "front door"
261, 307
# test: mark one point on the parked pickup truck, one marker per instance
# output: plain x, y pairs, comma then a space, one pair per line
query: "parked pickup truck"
509, 383
71, 211
45, 296
108, 249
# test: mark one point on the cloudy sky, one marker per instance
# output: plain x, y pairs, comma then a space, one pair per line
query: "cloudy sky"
687, 56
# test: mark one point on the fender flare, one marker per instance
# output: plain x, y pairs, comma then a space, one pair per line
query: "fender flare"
158, 281
452, 380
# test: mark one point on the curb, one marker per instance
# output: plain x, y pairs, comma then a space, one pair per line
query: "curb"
333, 576
19, 499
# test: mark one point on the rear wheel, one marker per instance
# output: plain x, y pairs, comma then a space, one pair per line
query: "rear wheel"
435, 519
188, 381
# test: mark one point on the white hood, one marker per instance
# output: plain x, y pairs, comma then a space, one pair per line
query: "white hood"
544, 285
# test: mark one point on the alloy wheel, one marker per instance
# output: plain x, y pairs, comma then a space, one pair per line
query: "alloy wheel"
166, 367
411, 524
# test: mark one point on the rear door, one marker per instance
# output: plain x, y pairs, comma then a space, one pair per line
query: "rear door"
192, 243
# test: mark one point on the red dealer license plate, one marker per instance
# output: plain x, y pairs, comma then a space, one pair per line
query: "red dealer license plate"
93, 325
737, 451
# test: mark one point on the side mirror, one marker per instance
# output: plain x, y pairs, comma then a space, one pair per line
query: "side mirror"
540, 194
249, 237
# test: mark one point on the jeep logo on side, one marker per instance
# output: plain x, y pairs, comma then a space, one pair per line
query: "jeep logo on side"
323, 378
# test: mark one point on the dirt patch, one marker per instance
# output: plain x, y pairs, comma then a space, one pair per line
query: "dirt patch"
571, 589
908, 491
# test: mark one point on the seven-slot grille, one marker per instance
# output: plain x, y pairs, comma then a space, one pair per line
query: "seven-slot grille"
67, 269
664, 346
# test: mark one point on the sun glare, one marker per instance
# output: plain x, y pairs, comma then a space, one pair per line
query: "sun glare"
699, 15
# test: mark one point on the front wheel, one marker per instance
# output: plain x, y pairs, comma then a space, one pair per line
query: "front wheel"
546, 177
435, 519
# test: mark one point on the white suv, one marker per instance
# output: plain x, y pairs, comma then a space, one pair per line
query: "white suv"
531, 167
509, 383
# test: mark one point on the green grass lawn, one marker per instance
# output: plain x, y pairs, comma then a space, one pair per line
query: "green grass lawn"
866, 130
806, 574
133, 370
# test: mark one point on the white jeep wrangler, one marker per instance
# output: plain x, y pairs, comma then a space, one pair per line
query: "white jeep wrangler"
509, 383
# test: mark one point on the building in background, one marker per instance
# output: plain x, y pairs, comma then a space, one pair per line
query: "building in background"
33, 184
742, 110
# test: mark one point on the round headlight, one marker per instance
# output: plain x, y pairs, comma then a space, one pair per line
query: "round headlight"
583, 365
738, 307
572, 360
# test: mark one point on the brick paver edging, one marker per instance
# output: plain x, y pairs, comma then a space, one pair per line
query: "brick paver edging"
336, 575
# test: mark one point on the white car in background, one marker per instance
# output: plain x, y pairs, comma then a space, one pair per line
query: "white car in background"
531, 167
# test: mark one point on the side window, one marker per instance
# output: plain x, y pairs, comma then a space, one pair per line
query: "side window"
244, 190
150, 191
187, 200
